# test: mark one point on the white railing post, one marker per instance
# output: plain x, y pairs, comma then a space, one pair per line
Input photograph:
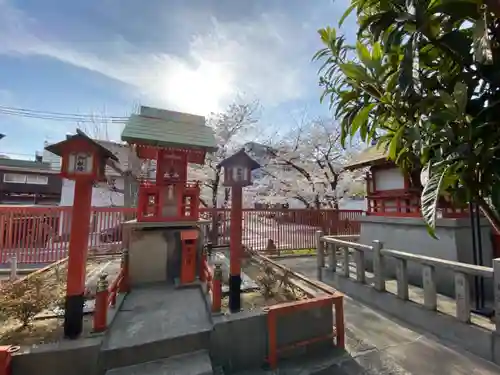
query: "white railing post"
320, 254
378, 266
402, 278
359, 258
462, 296
429, 284
496, 290
13, 268
345, 255
332, 262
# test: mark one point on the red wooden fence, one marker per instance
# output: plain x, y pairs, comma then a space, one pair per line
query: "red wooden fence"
287, 228
41, 234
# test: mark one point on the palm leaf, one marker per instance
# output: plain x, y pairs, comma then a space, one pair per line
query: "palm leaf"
430, 196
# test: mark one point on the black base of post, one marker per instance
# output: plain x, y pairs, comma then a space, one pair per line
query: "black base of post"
487, 312
235, 293
73, 316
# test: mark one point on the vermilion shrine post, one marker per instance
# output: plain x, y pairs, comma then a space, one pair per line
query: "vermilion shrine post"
84, 161
237, 174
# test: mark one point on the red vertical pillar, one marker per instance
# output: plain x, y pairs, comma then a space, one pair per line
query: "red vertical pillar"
235, 249
77, 259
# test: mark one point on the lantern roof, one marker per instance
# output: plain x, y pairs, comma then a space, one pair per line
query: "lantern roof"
373, 155
58, 148
241, 157
169, 129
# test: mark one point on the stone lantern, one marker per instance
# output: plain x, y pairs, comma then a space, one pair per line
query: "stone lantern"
237, 174
82, 157
84, 161
238, 169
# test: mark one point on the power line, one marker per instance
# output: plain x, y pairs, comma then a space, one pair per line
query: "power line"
59, 116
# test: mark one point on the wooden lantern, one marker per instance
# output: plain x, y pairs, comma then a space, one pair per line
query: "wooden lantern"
238, 169
82, 157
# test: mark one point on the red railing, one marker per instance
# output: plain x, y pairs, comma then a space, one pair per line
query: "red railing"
275, 311
106, 295
288, 229
41, 234
407, 204
115, 288
206, 274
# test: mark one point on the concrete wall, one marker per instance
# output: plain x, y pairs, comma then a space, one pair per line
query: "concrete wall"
247, 352
78, 357
250, 349
148, 257
155, 253
410, 235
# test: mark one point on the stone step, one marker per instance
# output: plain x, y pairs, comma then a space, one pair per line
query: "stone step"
157, 322
196, 363
154, 350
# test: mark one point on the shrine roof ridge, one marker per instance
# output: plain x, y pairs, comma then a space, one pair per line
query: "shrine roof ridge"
241, 155
370, 156
163, 128
56, 148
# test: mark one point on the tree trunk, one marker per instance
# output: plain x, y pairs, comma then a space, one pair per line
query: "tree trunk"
488, 212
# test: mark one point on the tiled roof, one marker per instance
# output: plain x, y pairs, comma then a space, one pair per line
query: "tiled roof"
159, 127
28, 164
370, 156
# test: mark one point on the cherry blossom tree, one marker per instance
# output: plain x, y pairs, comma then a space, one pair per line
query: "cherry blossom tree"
305, 165
232, 127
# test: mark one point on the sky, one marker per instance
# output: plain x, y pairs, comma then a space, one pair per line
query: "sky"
107, 57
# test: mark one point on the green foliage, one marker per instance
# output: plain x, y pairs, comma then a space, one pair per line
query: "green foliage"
424, 79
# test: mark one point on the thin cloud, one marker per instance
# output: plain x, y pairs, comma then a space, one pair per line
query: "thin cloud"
266, 58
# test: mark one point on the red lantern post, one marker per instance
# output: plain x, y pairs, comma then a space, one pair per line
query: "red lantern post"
237, 174
84, 161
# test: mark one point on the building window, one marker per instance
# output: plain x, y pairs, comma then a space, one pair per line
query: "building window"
37, 179
14, 178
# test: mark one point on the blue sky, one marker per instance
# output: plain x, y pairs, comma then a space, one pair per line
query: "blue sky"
108, 56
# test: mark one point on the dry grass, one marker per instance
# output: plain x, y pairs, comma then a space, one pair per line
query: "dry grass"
282, 291
42, 331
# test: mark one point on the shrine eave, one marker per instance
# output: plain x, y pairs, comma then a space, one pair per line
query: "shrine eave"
142, 130
57, 148
374, 155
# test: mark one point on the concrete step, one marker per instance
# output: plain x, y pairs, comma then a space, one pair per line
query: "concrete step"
196, 363
154, 323
154, 350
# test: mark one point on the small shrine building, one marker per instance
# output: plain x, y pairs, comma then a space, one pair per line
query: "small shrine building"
393, 217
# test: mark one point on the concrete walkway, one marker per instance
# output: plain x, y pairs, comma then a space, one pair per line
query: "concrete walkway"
379, 345
156, 322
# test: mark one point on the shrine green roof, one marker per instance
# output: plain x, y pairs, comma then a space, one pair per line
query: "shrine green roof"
158, 127
368, 157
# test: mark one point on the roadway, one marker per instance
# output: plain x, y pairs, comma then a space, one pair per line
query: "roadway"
378, 344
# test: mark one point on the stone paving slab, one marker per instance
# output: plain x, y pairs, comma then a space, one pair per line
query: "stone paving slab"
197, 363
156, 313
376, 344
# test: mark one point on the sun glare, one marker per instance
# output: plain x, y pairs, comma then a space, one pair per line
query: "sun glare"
201, 90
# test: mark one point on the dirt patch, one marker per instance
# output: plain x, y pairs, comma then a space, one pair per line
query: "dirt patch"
43, 331
278, 289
